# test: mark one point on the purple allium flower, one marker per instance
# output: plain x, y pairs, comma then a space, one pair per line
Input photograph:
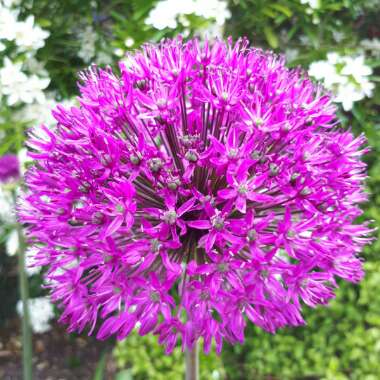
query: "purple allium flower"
205, 186
9, 168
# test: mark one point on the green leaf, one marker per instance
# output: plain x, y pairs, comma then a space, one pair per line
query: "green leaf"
269, 12
373, 63
141, 10
283, 9
359, 116
44, 23
271, 37
118, 17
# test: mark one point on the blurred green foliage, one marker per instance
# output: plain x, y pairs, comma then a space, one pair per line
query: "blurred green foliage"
145, 359
113, 22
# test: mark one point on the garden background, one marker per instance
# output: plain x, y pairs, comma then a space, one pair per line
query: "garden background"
44, 43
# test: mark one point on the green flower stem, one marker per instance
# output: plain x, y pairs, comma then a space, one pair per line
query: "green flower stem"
192, 363
24, 290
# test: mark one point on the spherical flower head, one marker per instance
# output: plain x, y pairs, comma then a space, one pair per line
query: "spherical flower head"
204, 187
9, 168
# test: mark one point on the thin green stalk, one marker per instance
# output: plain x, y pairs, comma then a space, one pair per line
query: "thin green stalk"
192, 363
24, 291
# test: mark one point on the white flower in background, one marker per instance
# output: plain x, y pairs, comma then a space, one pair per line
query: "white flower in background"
12, 243
338, 35
212, 9
129, 41
7, 214
119, 52
165, 13
38, 113
41, 312
327, 72
18, 87
35, 67
313, 4
26, 34
11, 73
184, 21
348, 94
34, 88
103, 58
291, 54
27, 90
29, 36
8, 23
356, 67
373, 46
15, 84
2, 46
23, 159
88, 40
11, 3
347, 77
211, 31
30, 260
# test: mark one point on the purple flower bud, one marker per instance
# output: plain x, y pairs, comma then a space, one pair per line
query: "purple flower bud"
9, 168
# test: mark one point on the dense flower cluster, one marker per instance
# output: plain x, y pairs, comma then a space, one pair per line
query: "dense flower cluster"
205, 186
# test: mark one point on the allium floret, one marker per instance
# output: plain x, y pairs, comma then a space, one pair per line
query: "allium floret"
204, 187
